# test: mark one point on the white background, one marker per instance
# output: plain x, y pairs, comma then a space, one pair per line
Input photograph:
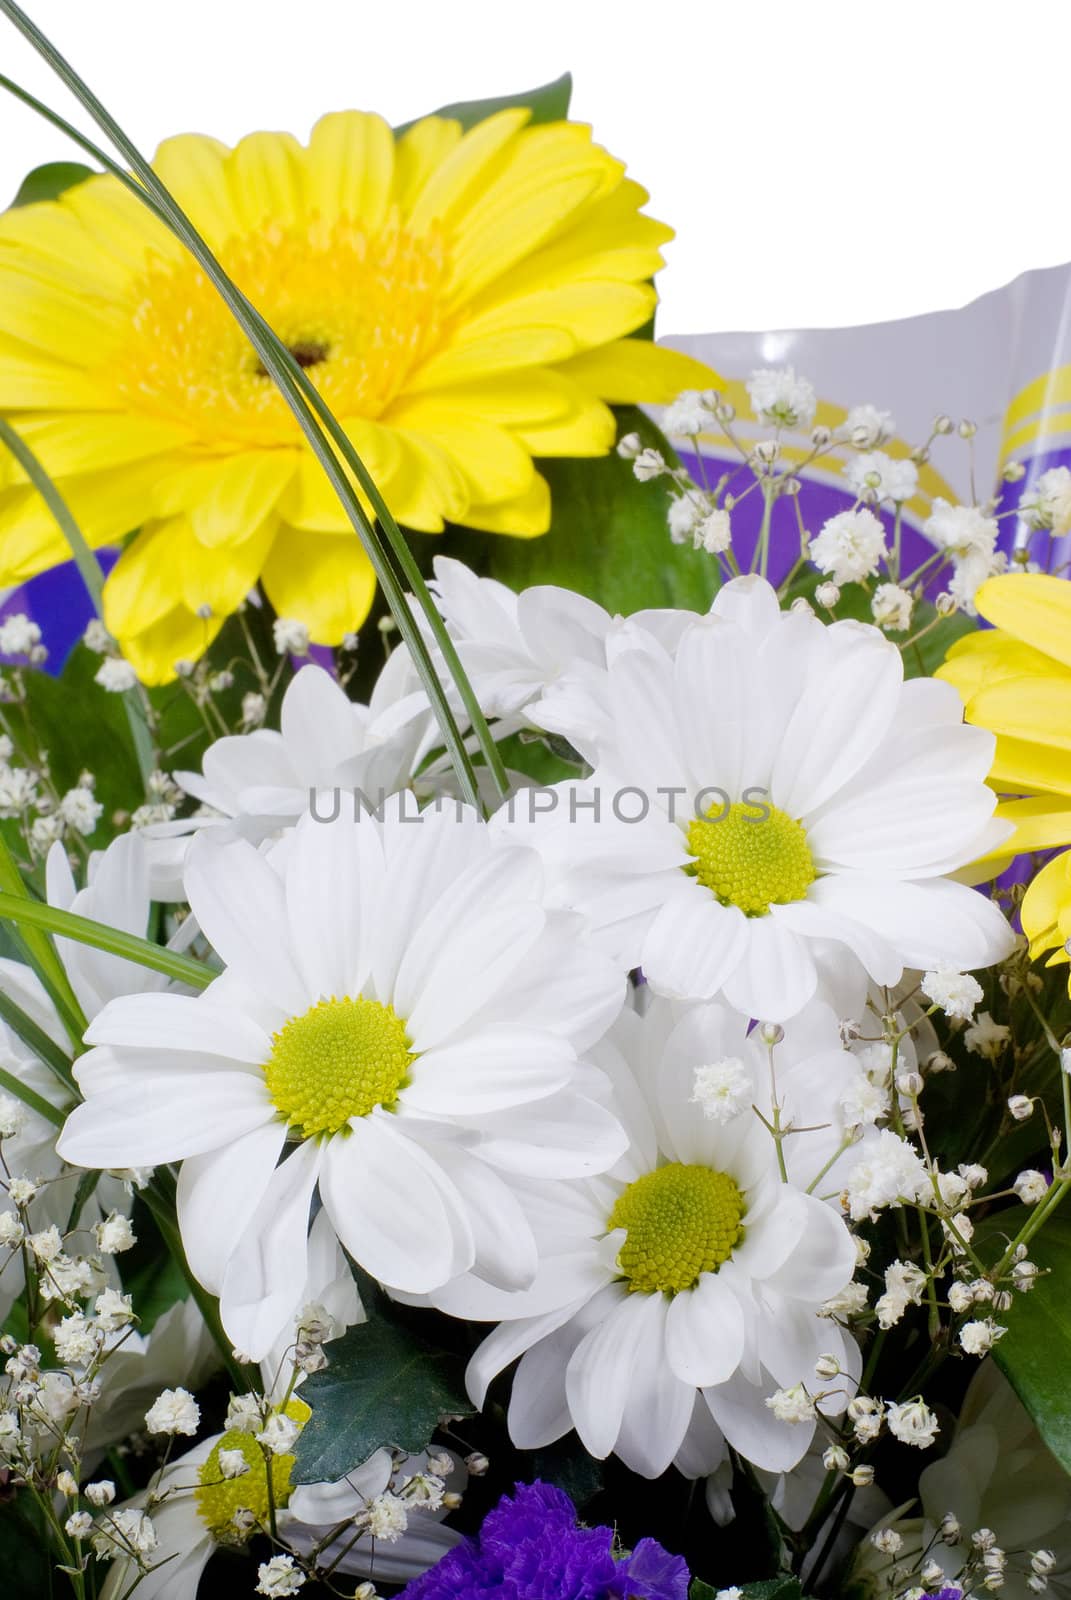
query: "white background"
822, 163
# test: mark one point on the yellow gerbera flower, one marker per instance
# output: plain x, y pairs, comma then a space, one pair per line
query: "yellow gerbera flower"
1016, 680
461, 301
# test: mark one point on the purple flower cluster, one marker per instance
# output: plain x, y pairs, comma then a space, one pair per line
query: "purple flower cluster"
530, 1548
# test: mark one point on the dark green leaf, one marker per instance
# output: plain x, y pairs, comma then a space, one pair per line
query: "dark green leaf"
783, 1587
25, 1559
701, 1590
50, 181
568, 1466
1035, 1353
548, 103
385, 1385
608, 536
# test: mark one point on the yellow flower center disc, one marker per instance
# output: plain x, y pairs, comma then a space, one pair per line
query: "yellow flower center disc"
751, 861
219, 1498
358, 310
680, 1221
338, 1060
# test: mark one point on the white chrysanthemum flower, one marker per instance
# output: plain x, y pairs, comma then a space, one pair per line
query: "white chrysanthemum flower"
850, 546
771, 797
877, 477
677, 1293
781, 398
383, 1023
256, 785
866, 426
197, 1496
1047, 503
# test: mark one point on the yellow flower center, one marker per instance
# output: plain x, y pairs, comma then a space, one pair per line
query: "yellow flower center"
680, 1221
219, 1498
358, 310
338, 1060
751, 861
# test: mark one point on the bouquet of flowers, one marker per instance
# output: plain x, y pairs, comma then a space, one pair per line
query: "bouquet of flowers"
534, 1067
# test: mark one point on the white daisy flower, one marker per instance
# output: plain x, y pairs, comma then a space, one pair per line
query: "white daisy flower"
198, 1496
255, 785
773, 797
676, 1294
383, 1023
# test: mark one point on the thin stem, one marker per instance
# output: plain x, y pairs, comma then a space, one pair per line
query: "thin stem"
127, 945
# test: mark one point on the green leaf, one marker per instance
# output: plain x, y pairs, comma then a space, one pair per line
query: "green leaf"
783, 1587
548, 103
50, 181
1035, 1353
568, 1466
385, 1385
608, 536
701, 1590
25, 1558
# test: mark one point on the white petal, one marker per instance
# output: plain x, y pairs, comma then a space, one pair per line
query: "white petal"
509, 1340
600, 1373
561, 1279
218, 1194
775, 975
564, 1136
468, 947
489, 1070
150, 1120
693, 944
180, 1022
933, 924
823, 1259
394, 1208
749, 602
265, 1276
816, 918
320, 726
659, 1407
333, 891
705, 1331
506, 1254
239, 901
739, 1409
848, 701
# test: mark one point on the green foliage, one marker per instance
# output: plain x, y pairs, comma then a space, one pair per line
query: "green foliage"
548, 103
608, 538
385, 1385
1035, 1353
25, 1556
50, 181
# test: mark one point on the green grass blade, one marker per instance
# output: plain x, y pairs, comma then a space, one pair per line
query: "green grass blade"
36, 1039
31, 914
29, 1097
40, 951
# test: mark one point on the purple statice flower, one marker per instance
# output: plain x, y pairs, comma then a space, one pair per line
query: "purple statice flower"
530, 1548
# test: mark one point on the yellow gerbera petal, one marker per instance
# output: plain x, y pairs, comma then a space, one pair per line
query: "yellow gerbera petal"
180, 635
987, 656
635, 371
1020, 767
420, 150
589, 430
264, 179
193, 167
239, 493
96, 441
348, 169
1041, 823
217, 581
146, 581
105, 505
446, 186
1035, 709
325, 582
526, 517
494, 465
1032, 606
29, 380
1046, 903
